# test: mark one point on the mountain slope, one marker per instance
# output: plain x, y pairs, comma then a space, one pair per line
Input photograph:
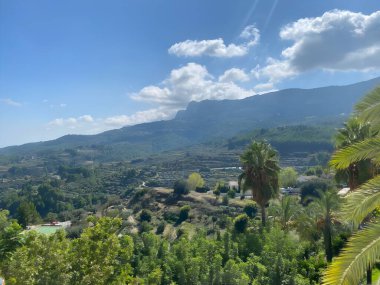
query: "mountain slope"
206, 120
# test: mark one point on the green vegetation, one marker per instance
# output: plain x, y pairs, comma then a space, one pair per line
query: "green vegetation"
102, 255
181, 187
290, 139
195, 181
288, 177
362, 249
260, 174
154, 220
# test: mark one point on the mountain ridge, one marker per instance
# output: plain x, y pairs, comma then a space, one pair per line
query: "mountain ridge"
210, 119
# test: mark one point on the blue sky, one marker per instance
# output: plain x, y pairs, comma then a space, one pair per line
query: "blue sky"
83, 67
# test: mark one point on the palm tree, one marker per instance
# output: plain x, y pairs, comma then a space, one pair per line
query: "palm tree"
260, 174
354, 131
286, 210
327, 202
363, 248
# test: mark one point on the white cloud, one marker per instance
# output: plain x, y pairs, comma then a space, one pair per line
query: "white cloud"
337, 41
252, 34
62, 105
86, 118
234, 75
191, 82
217, 47
265, 87
71, 121
274, 70
87, 124
63, 122
139, 117
10, 102
57, 122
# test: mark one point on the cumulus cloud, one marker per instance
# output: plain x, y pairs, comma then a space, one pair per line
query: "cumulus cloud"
217, 47
10, 102
337, 41
191, 82
86, 118
150, 115
264, 87
87, 124
234, 75
59, 122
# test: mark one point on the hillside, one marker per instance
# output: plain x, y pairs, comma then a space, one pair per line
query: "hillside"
210, 120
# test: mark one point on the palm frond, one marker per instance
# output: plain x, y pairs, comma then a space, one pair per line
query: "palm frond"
367, 149
361, 202
354, 130
369, 107
361, 252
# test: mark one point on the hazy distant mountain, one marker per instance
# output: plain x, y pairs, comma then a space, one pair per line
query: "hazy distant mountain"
207, 120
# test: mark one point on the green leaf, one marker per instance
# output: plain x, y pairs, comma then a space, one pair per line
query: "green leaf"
367, 149
361, 252
369, 107
361, 202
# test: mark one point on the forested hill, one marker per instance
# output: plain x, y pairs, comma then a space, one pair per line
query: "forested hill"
207, 120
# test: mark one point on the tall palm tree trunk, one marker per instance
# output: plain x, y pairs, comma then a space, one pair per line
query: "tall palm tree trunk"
263, 215
353, 176
369, 275
328, 240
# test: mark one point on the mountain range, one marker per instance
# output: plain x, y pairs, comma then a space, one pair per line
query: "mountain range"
210, 120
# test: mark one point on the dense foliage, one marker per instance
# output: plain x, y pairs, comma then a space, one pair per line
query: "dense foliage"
243, 254
128, 229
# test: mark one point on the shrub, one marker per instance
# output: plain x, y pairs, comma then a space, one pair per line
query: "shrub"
310, 189
160, 228
170, 217
241, 223
203, 189
184, 213
225, 200
181, 187
145, 215
145, 227
231, 193
250, 209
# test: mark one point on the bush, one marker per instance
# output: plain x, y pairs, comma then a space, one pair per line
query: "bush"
184, 213
250, 209
231, 193
241, 223
181, 187
225, 200
223, 222
145, 216
181, 232
145, 227
170, 217
203, 189
310, 189
222, 187
195, 180
160, 228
